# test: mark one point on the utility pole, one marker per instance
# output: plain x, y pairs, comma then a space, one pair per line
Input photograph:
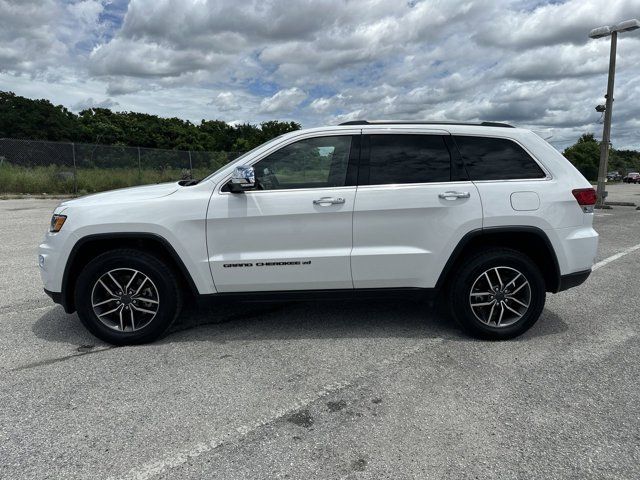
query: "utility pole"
606, 129
600, 32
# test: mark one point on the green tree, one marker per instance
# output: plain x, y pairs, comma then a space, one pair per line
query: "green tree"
35, 119
585, 155
274, 128
96, 125
624, 161
218, 135
39, 119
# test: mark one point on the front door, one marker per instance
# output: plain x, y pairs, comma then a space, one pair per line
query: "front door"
293, 230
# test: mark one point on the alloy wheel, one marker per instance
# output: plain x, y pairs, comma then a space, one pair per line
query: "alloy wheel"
500, 296
125, 299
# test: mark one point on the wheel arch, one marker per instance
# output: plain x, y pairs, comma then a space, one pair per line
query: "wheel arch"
532, 241
90, 246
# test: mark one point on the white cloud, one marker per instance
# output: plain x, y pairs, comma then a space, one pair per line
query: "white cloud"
91, 103
321, 105
560, 61
125, 85
28, 40
528, 62
86, 12
282, 101
556, 23
233, 102
150, 59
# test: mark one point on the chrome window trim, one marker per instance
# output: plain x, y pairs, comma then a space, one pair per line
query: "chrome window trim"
420, 184
542, 179
386, 131
252, 192
424, 184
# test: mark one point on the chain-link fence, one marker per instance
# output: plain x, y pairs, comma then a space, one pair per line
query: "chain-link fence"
41, 167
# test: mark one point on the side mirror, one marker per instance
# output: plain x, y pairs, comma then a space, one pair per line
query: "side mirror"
243, 178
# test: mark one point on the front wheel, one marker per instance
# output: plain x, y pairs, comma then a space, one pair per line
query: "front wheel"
497, 294
127, 296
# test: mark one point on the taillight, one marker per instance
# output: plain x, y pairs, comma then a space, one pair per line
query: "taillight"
586, 197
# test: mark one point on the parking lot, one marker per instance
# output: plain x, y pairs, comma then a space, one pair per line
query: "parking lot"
324, 390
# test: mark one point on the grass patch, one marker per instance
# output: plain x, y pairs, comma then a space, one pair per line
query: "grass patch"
54, 179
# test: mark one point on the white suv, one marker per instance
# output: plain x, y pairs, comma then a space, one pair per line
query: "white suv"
488, 216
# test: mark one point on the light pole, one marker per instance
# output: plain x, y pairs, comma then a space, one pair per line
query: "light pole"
600, 32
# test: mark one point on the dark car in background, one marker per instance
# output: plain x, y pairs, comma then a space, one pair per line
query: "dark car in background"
614, 176
632, 177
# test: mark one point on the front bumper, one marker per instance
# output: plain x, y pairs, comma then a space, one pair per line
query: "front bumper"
55, 296
573, 280
53, 253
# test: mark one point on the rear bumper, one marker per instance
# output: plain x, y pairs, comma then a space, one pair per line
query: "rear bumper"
576, 248
573, 279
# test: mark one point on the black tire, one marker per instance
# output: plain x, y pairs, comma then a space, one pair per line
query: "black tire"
471, 270
163, 279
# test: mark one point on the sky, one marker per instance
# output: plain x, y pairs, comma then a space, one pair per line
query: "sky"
320, 62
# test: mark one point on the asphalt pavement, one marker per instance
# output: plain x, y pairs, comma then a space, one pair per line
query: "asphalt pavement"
324, 390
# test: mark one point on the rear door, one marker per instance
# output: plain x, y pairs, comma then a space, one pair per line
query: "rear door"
413, 205
293, 231
515, 189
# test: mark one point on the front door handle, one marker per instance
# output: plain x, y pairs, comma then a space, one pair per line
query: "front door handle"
325, 201
453, 195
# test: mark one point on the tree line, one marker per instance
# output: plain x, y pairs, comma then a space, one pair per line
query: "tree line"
25, 118
585, 155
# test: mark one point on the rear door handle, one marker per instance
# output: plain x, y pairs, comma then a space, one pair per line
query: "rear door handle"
453, 195
325, 201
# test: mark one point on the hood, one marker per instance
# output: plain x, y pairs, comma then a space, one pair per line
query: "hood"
125, 195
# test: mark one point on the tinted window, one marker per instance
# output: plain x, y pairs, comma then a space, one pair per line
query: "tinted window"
496, 159
408, 159
311, 163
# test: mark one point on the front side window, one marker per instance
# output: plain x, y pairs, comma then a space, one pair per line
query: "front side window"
397, 159
311, 163
496, 159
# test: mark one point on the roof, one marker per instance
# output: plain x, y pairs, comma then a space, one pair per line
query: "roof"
418, 122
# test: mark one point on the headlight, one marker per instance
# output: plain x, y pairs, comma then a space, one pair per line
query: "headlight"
57, 221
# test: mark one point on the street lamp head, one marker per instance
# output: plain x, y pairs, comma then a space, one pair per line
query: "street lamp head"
627, 25
600, 32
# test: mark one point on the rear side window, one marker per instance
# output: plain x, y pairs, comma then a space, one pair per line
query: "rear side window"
496, 159
408, 159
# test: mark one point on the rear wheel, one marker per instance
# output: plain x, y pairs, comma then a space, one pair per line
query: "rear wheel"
127, 297
497, 294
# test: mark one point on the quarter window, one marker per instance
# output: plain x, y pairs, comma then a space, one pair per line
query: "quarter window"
408, 159
496, 159
310, 163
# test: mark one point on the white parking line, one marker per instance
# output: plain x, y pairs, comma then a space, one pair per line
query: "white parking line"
610, 259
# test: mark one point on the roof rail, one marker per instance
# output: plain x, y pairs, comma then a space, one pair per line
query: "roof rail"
418, 122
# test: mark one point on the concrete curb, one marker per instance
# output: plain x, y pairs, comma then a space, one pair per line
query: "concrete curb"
621, 204
14, 196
